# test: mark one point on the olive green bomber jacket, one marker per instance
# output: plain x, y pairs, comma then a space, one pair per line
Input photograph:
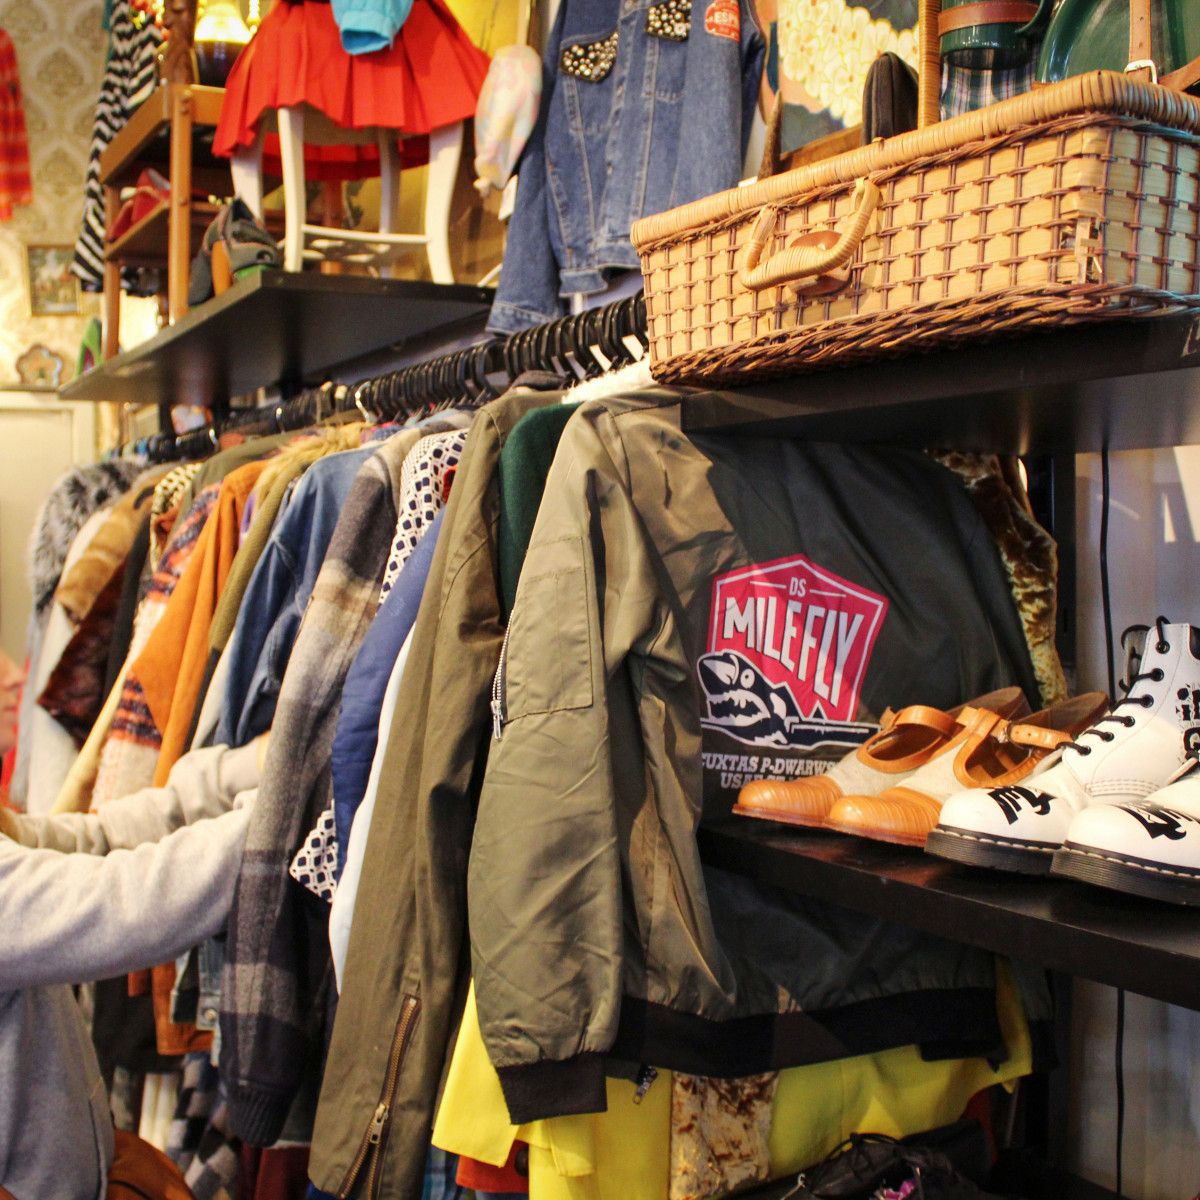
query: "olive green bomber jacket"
694, 612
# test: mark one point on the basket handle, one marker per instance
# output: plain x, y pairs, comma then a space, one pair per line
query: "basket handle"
929, 63
797, 263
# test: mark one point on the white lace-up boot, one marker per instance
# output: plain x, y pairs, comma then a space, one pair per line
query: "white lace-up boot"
1150, 738
1149, 849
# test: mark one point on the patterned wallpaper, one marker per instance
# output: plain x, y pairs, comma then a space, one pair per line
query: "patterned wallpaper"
60, 51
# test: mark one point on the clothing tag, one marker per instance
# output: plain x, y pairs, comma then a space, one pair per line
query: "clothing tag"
508, 199
636, 349
723, 19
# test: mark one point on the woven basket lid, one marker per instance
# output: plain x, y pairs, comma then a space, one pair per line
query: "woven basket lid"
1106, 94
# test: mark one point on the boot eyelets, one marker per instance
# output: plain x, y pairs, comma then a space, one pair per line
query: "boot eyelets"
1106, 734
1158, 674
1146, 701
1162, 647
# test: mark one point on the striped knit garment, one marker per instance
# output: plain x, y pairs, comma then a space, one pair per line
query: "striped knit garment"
130, 74
130, 755
15, 185
167, 494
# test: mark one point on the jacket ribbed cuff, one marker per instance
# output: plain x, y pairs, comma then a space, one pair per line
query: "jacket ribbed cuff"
540, 1090
257, 1117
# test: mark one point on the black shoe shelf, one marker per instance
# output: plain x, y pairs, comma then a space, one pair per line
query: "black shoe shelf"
1121, 385
1129, 384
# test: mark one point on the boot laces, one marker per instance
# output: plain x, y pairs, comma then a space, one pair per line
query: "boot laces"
1157, 675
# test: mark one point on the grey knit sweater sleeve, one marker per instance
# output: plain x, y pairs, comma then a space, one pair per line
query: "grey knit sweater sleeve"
68, 918
202, 784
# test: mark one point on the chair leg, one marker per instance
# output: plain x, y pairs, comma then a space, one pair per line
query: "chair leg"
246, 168
179, 217
445, 146
111, 344
389, 189
291, 152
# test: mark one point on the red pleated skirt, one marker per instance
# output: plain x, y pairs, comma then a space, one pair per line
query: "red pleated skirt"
429, 77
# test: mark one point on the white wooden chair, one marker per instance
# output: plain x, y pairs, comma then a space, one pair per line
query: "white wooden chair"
302, 241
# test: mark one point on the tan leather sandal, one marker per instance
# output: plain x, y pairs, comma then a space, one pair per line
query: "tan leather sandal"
991, 752
906, 741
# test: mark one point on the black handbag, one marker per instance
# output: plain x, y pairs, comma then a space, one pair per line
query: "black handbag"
939, 1166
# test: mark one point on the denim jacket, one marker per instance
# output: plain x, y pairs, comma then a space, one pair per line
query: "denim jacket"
278, 593
646, 106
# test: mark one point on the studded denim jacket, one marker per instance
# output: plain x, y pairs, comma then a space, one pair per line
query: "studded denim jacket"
646, 104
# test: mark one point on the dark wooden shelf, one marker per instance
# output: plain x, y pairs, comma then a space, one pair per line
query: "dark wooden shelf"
145, 240
145, 244
276, 327
1123, 941
1127, 384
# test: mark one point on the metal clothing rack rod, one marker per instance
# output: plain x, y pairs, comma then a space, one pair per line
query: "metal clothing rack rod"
581, 346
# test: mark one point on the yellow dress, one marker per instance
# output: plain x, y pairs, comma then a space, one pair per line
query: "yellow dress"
626, 1153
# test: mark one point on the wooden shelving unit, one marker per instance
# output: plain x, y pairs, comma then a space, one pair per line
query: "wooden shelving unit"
145, 139
146, 243
172, 131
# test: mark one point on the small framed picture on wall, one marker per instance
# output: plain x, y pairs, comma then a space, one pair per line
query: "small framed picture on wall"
53, 290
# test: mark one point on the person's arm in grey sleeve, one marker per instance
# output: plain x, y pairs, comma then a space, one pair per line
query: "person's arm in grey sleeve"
202, 784
68, 918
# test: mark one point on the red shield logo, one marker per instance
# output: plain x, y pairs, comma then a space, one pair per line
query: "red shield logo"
788, 649
723, 18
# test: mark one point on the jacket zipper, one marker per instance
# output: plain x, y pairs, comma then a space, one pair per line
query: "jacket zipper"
499, 697
645, 1077
372, 1142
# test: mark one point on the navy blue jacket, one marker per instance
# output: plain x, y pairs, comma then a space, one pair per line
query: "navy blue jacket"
362, 694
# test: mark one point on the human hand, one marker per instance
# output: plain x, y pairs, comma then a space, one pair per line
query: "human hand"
8, 823
261, 742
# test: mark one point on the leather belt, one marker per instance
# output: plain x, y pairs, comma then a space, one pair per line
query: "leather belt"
986, 12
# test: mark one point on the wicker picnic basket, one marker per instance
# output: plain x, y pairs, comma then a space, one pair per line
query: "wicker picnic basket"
1075, 202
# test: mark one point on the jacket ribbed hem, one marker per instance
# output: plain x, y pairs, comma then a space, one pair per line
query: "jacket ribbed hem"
944, 1022
257, 1117
534, 1091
